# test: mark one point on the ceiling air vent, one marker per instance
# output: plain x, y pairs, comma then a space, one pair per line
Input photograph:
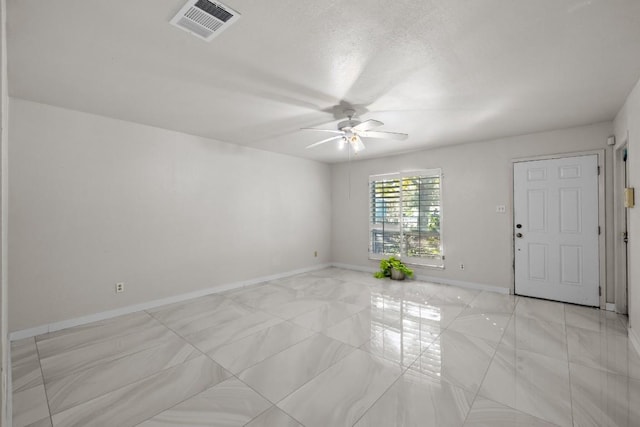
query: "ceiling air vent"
205, 19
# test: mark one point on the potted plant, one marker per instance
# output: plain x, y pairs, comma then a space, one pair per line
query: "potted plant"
394, 268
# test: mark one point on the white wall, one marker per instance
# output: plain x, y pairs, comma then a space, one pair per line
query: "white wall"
94, 201
5, 409
627, 125
477, 177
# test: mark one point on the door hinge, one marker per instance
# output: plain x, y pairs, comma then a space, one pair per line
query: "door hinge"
598, 170
599, 230
443, 257
599, 291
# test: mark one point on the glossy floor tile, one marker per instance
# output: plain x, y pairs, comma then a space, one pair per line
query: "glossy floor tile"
481, 323
45, 422
340, 395
455, 294
416, 400
193, 316
296, 307
604, 399
78, 387
67, 362
29, 406
266, 296
440, 310
609, 352
55, 343
531, 383
459, 359
274, 416
335, 347
537, 335
487, 413
357, 329
494, 302
402, 347
594, 319
136, 402
239, 355
25, 367
327, 315
309, 284
549, 311
228, 404
214, 337
283, 373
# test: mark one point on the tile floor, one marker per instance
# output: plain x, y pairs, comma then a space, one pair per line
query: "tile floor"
335, 348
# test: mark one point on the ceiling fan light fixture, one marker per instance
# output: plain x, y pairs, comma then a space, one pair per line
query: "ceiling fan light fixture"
356, 143
341, 143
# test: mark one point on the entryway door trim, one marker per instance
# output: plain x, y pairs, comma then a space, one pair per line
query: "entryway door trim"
601, 214
619, 247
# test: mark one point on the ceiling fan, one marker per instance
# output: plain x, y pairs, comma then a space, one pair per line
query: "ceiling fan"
351, 131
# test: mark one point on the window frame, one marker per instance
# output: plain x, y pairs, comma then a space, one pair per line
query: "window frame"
429, 262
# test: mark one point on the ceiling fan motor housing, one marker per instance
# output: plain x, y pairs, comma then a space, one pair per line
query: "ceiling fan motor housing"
348, 124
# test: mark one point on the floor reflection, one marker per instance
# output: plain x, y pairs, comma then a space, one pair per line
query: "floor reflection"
402, 330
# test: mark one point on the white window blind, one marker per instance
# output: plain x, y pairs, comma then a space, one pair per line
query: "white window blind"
405, 217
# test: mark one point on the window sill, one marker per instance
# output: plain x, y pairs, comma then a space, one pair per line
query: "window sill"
412, 264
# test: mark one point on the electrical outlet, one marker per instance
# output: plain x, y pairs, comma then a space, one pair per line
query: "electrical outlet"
315, 254
461, 266
119, 287
501, 209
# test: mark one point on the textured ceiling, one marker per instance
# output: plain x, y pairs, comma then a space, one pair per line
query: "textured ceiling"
444, 72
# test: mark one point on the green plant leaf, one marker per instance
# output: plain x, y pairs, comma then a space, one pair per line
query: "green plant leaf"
392, 262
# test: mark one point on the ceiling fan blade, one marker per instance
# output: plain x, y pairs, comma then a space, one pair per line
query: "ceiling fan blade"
324, 130
367, 125
385, 135
333, 138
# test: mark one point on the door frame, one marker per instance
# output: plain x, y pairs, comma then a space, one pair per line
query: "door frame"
601, 214
619, 226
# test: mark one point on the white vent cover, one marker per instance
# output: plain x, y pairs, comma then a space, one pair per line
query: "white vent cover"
205, 19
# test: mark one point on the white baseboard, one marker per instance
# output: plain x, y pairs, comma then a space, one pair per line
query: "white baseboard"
8, 416
635, 339
610, 306
32, 332
52, 327
353, 267
468, 285
459, 283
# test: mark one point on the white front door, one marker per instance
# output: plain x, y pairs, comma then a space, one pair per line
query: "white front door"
556, 229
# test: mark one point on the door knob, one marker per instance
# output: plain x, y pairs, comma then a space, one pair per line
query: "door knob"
519, 235
518, 225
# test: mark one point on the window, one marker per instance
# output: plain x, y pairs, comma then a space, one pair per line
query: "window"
405, 217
